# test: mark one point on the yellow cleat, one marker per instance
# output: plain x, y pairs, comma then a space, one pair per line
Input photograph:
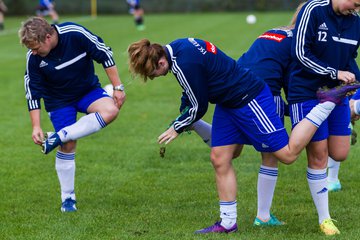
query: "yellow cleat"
329, 228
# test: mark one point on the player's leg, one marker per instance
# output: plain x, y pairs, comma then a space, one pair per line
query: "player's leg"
65, 168
65, 158
54, 16
139, 18
267, 178
203, 129
1, 20
333, 182
224, 149
306, 128
340, 130
221, 158
101, 111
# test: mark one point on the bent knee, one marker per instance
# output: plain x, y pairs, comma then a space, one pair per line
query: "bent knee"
110, 113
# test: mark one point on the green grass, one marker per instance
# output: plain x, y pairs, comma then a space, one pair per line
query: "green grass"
124, 189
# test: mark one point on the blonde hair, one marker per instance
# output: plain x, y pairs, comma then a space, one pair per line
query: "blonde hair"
296, 13
144, 57
34, 30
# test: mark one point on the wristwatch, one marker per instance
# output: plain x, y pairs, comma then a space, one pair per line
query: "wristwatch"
119, 87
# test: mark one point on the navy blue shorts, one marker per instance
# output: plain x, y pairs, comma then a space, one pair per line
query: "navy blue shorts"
255, 124
66, 116
337, 124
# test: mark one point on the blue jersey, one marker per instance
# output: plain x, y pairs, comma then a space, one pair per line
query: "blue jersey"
269, 57
206, 75
133, 3
66, 74
45, 3
324, 43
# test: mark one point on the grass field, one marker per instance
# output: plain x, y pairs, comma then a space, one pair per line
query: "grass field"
124, 189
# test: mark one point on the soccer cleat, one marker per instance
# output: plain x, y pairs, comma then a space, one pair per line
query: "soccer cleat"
334, 186
217, 228
273, 221
68, 205
52, 140
336, 94
328, 227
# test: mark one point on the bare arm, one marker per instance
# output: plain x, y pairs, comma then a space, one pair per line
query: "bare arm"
119, 96
37, 133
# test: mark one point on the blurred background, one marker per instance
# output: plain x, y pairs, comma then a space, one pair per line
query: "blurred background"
23, 7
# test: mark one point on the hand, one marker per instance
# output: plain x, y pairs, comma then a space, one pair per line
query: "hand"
119, 98
346, 77
168, 136
37, 135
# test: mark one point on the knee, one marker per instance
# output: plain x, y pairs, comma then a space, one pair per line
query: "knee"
110, 113
339, 157
221, 162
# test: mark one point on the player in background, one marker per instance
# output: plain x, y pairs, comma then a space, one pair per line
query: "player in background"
60, 70
327, 36
3, 10
206, 74
47, 8
138, 12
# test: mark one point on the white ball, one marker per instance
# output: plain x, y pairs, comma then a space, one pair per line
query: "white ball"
109, 89
251, 19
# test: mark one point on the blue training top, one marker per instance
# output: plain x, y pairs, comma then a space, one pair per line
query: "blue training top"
324, 43
206, 74
67, 73
45, 3
269, 57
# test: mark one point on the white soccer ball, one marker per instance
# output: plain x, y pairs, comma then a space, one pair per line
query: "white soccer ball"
251, 19
109, 89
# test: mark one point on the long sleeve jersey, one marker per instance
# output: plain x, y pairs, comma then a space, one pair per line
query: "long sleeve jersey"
67, 73
269, 57
324, 43
206, 74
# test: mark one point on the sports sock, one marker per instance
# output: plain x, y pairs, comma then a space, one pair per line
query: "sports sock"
65, 168
333, 170
203, 129
139, 21
317, 184
267, 178
320, 112
228, 213
85, 126
357, 107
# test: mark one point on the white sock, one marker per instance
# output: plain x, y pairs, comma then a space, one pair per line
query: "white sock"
357, 107
317, 184
228, 213
65, 168
333, 170
85, 126
267, 178
320, 112
203, 129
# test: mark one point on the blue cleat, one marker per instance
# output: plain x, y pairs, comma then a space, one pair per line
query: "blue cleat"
336, 94
217, 228
273, 221
68, 205
52, 140
334, 186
